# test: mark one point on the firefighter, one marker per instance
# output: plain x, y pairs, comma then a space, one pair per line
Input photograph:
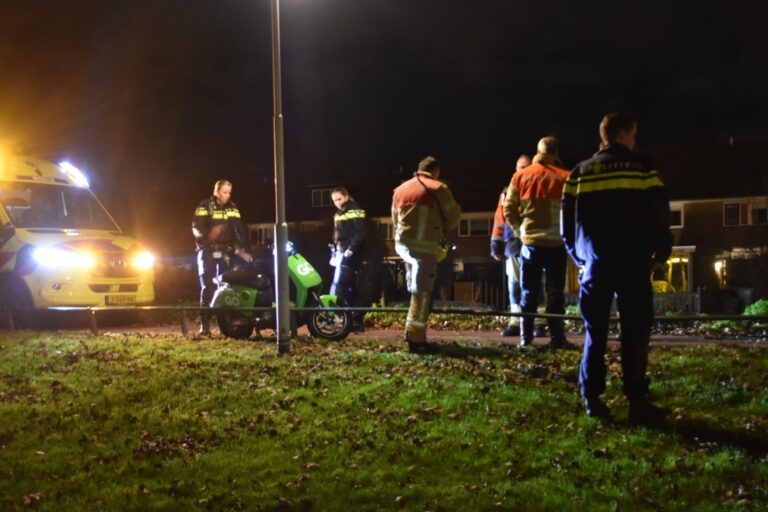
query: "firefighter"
220, 235
615, 225
423, 210
348, 240
532, 207
505, 245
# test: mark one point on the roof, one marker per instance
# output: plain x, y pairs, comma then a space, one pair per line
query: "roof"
26, 168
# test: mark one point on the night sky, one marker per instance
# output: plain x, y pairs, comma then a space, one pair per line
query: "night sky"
156, 100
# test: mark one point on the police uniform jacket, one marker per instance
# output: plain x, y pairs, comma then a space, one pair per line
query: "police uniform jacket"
349, 227
423, 209
208, 215
615, 204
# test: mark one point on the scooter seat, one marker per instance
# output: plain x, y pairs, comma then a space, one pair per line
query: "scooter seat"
244, 277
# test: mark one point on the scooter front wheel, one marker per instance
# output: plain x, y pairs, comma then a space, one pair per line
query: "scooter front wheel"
331, 325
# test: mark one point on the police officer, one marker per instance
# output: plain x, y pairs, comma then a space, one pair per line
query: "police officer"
615, 225
348, 239
219, 235
423, 210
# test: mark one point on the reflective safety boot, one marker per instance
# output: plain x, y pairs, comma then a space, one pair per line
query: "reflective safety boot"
416, 322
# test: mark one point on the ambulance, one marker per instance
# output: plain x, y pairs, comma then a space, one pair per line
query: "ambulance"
59, 246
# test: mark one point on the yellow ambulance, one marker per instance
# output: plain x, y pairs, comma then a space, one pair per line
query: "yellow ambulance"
59, 246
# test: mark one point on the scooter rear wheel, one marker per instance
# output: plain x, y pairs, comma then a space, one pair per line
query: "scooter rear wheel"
331, 325
233, 325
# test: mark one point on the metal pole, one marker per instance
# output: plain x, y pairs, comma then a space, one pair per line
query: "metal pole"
281, 227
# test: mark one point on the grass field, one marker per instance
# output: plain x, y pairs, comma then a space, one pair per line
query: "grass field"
126, 422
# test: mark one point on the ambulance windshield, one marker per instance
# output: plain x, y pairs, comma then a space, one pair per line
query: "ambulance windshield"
39, 205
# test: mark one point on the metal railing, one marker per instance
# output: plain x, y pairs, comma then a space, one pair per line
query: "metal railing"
181, 312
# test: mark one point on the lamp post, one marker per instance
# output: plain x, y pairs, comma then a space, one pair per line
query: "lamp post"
281, 227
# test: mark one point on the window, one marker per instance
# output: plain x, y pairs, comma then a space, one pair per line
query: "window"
475, 227
262, 235
39, 205
321, 197
760, 215
676, 219
385, 230
735, 214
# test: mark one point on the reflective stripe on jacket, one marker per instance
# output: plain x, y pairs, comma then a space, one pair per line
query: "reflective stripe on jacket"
208, 214
615, 204
499, 222
349, 227
423, 210
504, 242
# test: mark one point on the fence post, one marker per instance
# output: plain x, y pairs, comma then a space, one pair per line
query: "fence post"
92, 321
183, 323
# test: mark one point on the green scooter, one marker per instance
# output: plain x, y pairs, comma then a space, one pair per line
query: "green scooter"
244, 287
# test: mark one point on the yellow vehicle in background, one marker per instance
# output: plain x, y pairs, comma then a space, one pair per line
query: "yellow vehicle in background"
59, 246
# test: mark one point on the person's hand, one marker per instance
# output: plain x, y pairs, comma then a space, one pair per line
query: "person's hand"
497, 257
244, 256
348, 253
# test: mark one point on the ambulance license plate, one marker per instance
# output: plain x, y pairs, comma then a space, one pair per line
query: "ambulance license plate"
119, 300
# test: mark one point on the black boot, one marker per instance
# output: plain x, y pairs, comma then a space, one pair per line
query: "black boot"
205, 325
558, 341
596, 408
526, 332
358, 321
423, 349
644, 413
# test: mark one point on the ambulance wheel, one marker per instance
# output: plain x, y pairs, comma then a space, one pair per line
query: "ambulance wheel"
235, 326
331, 325
14, 294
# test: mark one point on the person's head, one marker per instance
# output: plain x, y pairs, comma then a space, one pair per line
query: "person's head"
547, 145
222, 190
618, 128
523, 161
340, 196
430, 165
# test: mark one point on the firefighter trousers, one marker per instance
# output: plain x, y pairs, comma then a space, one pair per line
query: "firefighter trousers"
628, 278
420, 275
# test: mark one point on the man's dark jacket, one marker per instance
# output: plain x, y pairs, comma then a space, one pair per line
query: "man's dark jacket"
615, 205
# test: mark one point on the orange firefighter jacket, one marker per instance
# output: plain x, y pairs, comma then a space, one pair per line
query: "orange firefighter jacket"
532, 205
423, 210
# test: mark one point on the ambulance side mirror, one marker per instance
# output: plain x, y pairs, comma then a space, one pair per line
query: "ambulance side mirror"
6, 233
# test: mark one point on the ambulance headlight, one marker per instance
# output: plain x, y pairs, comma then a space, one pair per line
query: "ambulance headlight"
143, 260
48, 257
